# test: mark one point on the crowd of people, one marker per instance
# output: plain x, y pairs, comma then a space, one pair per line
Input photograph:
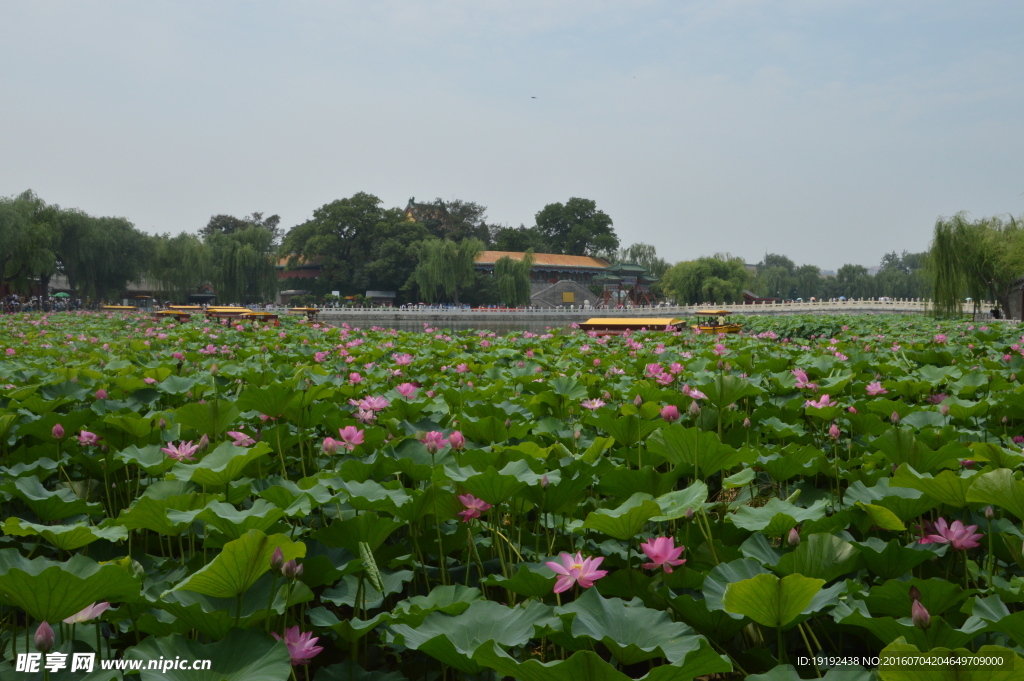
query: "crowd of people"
14, 303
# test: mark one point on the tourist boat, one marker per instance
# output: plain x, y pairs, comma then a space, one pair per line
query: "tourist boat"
310, 312
119, 308
263, 317
178, 315
714, 321
226, 312
614, 326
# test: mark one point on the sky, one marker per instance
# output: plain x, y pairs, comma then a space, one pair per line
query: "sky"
830, 131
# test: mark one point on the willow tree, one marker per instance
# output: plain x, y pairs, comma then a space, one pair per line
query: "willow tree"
979, 259
446, 267
181, 264
243, 265
513, 279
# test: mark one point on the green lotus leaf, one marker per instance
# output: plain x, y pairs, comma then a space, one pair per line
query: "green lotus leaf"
150, 510
996, 616
777, 517
631, 632
946, 487
625, 521
272, 400
741, 479
49, 506
493, 486
621, 483
262, 516
211, 419
176, 385
893, 560
372, 496
724, 574
243, 655
893, 597
150, 458
999, 488
999, 457
214, 617
888, 629
454, 639
676, 504
221, 466
490, 429
346, 592
905, 502
880, 517
239, 564
694, 447
532, 580
821, 556
50, 591
64, 537
350, 630
770, 600
349, 671
365, 527
899, 648
451, 600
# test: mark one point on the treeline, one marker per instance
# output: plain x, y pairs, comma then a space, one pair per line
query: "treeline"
723, 278
426, 253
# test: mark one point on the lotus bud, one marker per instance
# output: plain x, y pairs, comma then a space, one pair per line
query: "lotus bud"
457, 440
577, 435
919, 614
694, 408
330, 446
163, 423
670, 413
58, 432
1005, 420
544, 482
689, 514
794, 538
44, 638
944, 409
989, 513
291, 569
746, 422
833, 432
852, 410
214, 369
638, 400
101, 394
721, 364
915, 593
277, 560
508, 423
607, 395
204, 442
1013, 377
895, 418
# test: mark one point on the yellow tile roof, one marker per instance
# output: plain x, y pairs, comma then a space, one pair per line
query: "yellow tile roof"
545, 259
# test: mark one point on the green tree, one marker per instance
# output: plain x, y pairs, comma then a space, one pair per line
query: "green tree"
854, 281
27, 239
718, 279
576, 227
979, 259
644, 255
180, 265
243, 265
455, 219
902, 276
518, 239
513, 279
807, 282
446, 268
229, 224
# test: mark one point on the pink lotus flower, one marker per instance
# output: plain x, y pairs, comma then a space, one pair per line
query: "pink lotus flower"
57, 432
663, 553
101, 394
371, 404
402, 359
833, 432
462, 368
920, 615
676, 368
670, 413
694, 393
876, 389
351, 437
11, 352
434, 441
457, 440
301, 646
937, 398
181, 451
364, 416
88, 439
720, 349
823, 401
593, 404
148, 380
43, 639
576, 570
961, 537
939, 338
330, 446
802, 381
407, 390
240, 439
473, 507
654, 370
87, 613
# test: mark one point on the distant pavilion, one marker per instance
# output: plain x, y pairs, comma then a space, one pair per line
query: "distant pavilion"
550, 267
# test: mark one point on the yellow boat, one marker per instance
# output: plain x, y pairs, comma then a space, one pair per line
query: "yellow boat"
613, 326
714, 321
310, 312
120, 308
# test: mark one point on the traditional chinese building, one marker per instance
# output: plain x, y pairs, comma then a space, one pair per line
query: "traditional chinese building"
550, 267
626, 282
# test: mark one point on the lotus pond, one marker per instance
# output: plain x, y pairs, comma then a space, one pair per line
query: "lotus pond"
374, 505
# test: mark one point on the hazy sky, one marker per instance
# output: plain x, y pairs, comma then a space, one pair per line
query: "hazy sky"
831, 131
